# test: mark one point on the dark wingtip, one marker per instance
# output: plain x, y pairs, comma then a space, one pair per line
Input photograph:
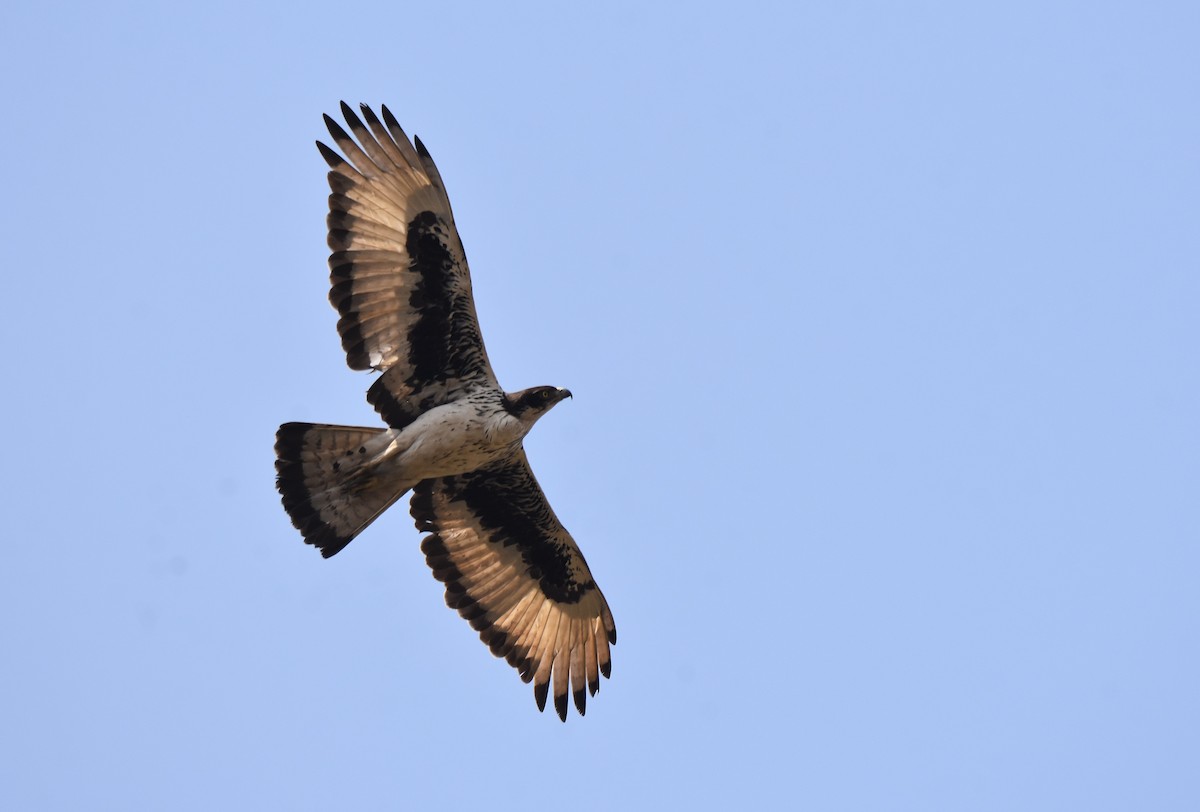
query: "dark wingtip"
540, 690
389, 119
368, 113
580, 697
335, 129
353, 120
606, 669
560, 706
332, 158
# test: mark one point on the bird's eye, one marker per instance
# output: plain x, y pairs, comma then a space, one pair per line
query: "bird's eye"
545, 394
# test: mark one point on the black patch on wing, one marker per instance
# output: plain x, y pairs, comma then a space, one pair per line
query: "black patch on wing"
430, 258
515, 511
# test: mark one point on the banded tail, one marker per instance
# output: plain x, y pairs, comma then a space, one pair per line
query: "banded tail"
330, 490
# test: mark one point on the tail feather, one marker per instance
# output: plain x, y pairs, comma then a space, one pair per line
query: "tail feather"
328, 484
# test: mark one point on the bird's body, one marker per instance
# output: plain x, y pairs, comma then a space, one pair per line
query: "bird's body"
458, 437
399, 279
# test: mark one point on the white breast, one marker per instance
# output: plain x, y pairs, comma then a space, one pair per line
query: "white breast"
456, 438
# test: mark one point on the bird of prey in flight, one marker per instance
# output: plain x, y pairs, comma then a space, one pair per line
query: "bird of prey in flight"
400, 283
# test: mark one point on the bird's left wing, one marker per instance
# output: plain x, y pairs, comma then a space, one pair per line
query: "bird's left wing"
398, 273
514, 572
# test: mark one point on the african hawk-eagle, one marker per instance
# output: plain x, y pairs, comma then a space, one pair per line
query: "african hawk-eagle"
401, 286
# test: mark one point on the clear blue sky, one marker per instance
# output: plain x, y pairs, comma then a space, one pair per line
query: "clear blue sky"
882, 321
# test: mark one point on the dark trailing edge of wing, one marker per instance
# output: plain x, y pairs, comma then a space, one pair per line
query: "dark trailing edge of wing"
439, 560
510, 510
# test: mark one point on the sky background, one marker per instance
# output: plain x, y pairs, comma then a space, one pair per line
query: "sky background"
882, 323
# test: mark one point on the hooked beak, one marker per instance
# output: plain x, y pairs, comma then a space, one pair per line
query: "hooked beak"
563, 394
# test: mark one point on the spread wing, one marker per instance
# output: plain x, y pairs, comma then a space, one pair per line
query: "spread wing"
398, 272
514, 572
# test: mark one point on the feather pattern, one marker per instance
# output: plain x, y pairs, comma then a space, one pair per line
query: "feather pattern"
398, 273
328, 486
514, 572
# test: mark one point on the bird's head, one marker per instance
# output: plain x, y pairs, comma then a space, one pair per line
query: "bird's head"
530, 404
